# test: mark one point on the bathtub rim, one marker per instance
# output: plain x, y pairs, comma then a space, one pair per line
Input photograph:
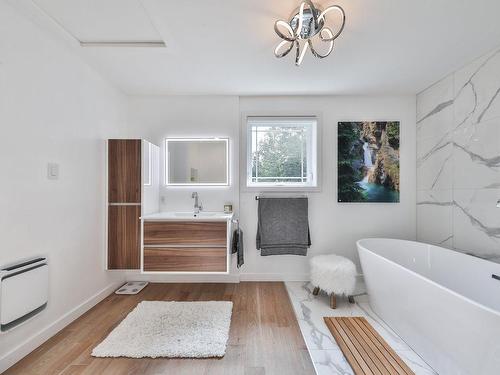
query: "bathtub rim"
359, 245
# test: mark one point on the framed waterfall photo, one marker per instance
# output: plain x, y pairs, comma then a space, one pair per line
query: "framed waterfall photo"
368, 162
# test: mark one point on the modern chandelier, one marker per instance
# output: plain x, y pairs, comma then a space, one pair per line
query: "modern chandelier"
307, 22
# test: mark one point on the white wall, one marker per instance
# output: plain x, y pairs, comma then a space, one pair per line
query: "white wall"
458, 149
156, 118
334, 227
53, 108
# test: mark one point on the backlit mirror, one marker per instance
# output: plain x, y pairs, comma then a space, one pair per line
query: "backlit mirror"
200, 161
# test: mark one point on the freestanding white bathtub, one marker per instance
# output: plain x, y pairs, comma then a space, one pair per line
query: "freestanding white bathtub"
444, 304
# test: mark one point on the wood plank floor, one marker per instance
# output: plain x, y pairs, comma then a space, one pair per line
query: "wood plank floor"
264, 337
365, 350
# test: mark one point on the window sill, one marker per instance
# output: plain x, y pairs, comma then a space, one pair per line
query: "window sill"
280, 189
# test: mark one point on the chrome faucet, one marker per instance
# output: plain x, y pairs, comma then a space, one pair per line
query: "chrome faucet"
197, 206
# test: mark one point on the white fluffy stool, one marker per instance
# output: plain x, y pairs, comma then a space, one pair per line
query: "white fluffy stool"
333, 274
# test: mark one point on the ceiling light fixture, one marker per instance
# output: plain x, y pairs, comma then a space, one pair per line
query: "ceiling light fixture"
307, 22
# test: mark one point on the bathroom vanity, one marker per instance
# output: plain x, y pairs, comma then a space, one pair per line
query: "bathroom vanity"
139, 236
176, 242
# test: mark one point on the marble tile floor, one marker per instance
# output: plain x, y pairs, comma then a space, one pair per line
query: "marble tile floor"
325, 353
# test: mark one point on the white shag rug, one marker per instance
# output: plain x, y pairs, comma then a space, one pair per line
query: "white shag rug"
170, 329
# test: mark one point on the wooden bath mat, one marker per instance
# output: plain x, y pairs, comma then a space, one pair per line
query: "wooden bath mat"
365, 350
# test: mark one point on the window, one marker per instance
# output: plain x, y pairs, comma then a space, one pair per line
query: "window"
281, 151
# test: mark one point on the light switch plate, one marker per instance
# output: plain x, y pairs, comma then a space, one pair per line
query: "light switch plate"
53, 171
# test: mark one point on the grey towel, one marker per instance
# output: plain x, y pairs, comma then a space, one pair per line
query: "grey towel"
237, 246
283, 226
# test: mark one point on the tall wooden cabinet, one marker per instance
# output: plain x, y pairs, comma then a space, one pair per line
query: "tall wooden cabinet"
131, 193
124, 171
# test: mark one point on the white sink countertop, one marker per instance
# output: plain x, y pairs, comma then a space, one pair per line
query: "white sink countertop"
202, 216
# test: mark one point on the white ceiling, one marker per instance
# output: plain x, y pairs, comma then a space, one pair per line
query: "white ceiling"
226, 46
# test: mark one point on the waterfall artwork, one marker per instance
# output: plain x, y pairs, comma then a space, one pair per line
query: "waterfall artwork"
368, 162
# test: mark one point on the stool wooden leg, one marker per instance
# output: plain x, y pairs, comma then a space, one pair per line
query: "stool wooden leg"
351, 299
316, 291
333, 301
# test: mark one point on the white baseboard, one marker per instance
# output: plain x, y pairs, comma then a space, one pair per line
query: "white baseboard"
30, 344
273, 277
191, 278
206, 278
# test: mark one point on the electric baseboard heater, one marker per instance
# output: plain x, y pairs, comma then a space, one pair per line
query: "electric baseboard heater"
24, 290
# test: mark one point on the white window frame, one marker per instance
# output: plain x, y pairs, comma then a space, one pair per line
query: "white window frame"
313, 158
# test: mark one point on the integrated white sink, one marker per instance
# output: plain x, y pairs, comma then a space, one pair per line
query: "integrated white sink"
188, 216
200, 214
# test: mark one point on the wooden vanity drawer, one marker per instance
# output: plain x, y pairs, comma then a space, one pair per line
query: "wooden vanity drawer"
185, 259
213, 233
